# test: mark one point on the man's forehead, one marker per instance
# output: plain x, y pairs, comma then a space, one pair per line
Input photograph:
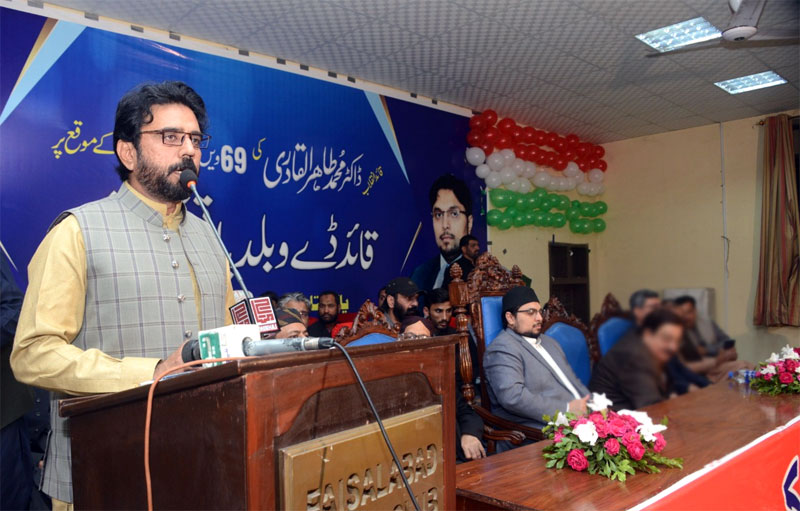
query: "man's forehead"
441, 305
446, 199
530, 305
174, 115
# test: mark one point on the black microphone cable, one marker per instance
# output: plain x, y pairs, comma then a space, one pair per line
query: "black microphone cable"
380, 423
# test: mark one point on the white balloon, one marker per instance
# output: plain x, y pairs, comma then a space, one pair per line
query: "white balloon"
530, 169
496, 161
483, 171
597, 188
493, 180
508, 155
475, 156
525, 185
572, 170
508, 175
542, 179
518, 166
563, 183
513, 186
572, 182
552, 186
595, 176
584, 188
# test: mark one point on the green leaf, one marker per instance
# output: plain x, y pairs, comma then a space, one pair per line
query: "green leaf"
560, 463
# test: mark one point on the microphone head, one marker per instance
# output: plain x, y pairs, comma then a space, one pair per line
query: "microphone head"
188, 178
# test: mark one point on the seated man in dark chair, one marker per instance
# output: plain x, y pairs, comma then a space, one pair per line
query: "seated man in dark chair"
527, 372
634, 373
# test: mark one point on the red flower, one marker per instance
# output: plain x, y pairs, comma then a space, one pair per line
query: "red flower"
660, 443
791, 365
633, 423
767, 376
786, 378
558, 437
797, 350
636, 450
631, 437
617, 427
577, 460
612, 446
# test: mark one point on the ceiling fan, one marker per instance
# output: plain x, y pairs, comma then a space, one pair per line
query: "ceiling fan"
743, 31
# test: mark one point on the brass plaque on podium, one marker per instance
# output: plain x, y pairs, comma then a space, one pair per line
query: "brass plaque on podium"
353, 469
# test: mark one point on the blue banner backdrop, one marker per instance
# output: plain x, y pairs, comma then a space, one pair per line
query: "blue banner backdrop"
313, 184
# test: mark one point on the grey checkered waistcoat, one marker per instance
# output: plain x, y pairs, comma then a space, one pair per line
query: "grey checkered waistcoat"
139, 296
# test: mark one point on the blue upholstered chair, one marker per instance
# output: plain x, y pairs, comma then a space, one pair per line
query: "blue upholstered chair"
369, 327
371, 338
573, 337
611, 331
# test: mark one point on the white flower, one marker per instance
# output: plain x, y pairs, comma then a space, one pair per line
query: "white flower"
648, 431
774, 358
797, 370
770, 369
788, 353
586, 432
599, 402
561, 420
641, 417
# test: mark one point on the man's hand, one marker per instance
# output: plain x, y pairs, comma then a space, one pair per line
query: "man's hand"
174, 360
727, 355
472, 446
578, 406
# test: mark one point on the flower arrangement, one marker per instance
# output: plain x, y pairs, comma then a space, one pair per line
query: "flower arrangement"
608, 443
780, 374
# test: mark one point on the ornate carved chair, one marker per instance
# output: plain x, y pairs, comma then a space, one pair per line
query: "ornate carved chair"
610, 324
482, 295
573, 336
369, 327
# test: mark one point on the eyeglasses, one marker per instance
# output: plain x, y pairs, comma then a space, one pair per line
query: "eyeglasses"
532, 312
452, 214
176, 138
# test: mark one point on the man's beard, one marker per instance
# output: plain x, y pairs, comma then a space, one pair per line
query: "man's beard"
328, 318
401, 314
157, 183
450, 255
530, 333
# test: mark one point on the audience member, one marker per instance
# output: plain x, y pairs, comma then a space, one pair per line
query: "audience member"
328, 310
297, 301
470, 249
634, 374
291, 324
440, 311
527, 372
643, 302
703, 347
381, 296
469, 425
401, 300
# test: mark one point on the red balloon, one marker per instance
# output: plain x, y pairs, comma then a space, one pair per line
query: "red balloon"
490, 116
533, 153
477, 122
560, 163
507, 125
521, 151
491, 135
504, 142
541, 157
551, 138
582, 149
487, 148
550, 158
592, 162
572, 139
602, 165
584, 165
570, 154
599, 152
540, 137
528, 134
516, 133
561, 144
474, 138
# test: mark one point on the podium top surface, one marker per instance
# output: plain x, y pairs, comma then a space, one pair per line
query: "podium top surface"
81, 405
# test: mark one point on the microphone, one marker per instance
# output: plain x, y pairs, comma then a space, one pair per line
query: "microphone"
189, 182
257, 348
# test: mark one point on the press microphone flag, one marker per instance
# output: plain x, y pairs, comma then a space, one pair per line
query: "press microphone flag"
257, 311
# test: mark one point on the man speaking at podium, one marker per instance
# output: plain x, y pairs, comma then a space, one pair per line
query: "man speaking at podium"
117, 285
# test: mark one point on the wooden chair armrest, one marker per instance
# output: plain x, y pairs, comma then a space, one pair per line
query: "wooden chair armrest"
503, 424
515, 437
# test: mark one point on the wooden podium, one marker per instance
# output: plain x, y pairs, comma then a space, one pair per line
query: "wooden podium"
285, 431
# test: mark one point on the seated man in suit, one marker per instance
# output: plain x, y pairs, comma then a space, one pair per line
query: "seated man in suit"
634, 373
527, 372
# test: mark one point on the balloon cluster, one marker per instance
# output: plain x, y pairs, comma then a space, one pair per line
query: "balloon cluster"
535, 208
517, 157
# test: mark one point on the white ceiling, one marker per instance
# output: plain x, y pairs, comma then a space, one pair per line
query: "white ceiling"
560, 65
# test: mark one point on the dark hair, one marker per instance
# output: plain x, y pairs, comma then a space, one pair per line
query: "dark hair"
466, 239
638, 298
332, 293
135, 109
685, 299
411, 320
457, 186
438, 295
659, 317
272, 295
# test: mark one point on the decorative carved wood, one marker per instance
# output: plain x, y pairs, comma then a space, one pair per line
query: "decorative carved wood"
369, 320
555, 312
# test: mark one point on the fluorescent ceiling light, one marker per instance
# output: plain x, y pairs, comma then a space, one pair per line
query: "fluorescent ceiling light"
752, 82
680, 34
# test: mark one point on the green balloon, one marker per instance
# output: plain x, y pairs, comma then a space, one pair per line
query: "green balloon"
573, 226
519, 219
534, 202
598, 225
586, 209
550, 202
529, 218
563, 203
602, 207
539, 193
521, 202
585, 226
573, 214
505, 223
558, 220
575, 204
493, 216
538, 217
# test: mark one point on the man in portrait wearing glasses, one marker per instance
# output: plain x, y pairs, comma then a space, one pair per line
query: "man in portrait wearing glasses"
119, 284
451, 213
527, 372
